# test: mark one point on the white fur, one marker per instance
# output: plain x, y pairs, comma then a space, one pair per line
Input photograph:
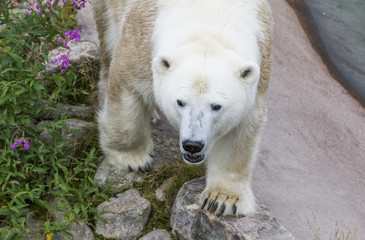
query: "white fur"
214, 42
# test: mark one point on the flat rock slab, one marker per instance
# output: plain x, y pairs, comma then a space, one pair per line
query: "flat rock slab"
78, 231
121, 179
125, 215
159, 234
76, 52
190, 222
50, 110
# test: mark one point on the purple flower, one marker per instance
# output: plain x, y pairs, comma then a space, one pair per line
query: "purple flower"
62, 62
73, 35
37, 6
40, 12
26, 144
21, 143
79, 3
60, 39
65, 44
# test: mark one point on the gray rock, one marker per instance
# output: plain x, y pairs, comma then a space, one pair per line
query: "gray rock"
125, 215
190, 222
159, 234
166, 144
78, 129
35, 225
83, 112
63, 110
160, 192
78, 231
76, 52
58, 205
122, 179
2, 27
45, 136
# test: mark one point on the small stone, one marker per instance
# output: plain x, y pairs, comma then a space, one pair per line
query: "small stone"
78, 129
83, 112
35, 225
77, 52
125, 179
125, 215
160, 192
2, 27
188, 221
63, 110
78, 231
159, 234
45, 136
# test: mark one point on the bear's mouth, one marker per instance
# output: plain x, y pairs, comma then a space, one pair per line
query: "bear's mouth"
193, 159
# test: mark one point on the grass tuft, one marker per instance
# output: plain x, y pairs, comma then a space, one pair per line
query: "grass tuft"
161, 211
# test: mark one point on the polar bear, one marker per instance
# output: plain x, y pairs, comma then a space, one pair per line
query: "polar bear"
206, 64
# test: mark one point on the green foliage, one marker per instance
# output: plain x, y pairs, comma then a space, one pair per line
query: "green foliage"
161, 211
46, 177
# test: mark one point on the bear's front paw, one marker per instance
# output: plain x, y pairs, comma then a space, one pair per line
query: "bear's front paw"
223, 202
131, 161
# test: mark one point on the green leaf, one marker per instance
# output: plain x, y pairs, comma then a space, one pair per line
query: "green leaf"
9, 70
20, 91
16, 58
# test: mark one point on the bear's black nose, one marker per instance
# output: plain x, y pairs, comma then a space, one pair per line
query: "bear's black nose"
192, 146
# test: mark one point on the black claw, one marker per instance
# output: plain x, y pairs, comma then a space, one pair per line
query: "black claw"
147, 167
141, 170
234, 209
223, 208
130, 169
204, 203
151, 155
215, 206
210, 204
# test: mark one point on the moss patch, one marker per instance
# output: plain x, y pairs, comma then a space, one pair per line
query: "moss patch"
161, 211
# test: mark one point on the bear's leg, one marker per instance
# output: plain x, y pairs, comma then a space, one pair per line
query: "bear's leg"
228, 190
125, 131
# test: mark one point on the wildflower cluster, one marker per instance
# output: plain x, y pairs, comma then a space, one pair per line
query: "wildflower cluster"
31, 169
35, 7
71, 35
48, 5
62, 62
21, 143
79, 3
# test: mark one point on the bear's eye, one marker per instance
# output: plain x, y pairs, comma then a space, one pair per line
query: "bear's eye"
216, 107
180, 103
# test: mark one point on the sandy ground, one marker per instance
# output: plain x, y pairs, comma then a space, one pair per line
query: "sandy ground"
312, 159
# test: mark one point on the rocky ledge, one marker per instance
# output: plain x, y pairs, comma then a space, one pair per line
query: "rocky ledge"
188, 221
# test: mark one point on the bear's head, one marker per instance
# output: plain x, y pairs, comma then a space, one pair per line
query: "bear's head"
205, 96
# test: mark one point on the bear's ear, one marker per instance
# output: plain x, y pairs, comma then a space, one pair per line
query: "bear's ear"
161, 63
249, 72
